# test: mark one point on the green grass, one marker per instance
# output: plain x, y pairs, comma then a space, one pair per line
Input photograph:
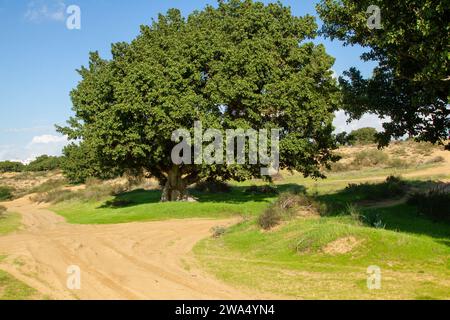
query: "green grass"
291, 261
9, 222
13, 289
143, 205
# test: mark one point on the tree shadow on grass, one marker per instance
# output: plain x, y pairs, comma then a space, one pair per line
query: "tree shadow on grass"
399, 217
237, 195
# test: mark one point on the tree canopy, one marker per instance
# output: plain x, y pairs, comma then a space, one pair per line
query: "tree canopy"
11, 166
241, 64
362, 136
411, 84
44, 163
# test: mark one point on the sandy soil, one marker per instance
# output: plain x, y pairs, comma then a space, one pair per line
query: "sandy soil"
126, 261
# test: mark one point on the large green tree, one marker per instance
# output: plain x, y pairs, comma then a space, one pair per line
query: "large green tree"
241, 64
411, 84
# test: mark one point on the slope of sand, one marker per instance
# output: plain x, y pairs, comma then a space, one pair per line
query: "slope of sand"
126, 261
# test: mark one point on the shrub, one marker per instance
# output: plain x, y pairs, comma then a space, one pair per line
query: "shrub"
434, 203
424, 148
362, 136
5, 193
398, 163
91, 193
54, 196
49, 185
369, 158
353, 211
2, 211
434, 160
213, 186
288, 205
270, 218
44, 163
80, 162
218, 231
375, 221
11, 166
267, 189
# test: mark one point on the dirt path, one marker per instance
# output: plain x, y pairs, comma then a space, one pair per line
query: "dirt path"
150, 260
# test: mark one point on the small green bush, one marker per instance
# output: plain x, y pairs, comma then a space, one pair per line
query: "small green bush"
11, 166
370, 158
6, 193
270, 218
363, 136
213, 186
434, 203
44, 163
218, 231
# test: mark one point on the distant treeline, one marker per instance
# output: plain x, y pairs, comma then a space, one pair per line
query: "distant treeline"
356, 137
42, 163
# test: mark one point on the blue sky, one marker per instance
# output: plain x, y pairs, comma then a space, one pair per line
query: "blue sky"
40, 54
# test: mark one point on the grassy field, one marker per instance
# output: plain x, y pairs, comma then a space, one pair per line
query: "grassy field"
13, 289
10, 222
141, 205
327, 258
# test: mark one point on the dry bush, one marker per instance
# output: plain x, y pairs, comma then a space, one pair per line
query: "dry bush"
288, 206
92, 192
438, 159
2, 211
370, 158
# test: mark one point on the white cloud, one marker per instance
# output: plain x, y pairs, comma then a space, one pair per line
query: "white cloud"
47, 139
45, 10
48, 144
368, 120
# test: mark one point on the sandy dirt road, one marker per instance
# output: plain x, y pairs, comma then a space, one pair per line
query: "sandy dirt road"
150, 260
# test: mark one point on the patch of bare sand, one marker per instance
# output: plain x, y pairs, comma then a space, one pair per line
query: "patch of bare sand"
341, 246
125, 261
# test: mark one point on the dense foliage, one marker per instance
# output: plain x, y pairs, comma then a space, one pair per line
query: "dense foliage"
80, 163
44, 163
11, 166
411, 84
240, 65
362, 136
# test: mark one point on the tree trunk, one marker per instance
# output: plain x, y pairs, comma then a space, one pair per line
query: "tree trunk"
175, 187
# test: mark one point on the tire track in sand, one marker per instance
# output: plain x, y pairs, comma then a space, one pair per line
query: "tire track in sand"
143, 260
